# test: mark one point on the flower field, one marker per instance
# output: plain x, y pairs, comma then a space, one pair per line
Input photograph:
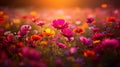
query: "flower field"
59, 38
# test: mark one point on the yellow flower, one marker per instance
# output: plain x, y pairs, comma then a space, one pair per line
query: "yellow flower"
16, 21
49, 32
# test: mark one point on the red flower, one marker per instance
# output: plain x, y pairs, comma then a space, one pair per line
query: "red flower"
19, 44
2, 20
36, 38
111, 19
89, 53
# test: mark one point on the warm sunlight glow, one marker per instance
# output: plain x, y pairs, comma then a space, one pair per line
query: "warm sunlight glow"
58, 3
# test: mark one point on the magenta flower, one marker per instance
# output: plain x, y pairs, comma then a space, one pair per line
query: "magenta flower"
107, 43
60, 24
10, 38
22, 33
98, 36
67, 33
85, 40
113, 43
61, 45
95, 29
90, 20
31, 54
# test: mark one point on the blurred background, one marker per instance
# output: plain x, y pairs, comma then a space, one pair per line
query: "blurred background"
60, 3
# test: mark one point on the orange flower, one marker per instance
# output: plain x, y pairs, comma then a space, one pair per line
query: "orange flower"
78, 30
48, 32
89, 53
36, 38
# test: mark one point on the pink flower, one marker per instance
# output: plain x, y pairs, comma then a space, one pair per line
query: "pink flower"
69, 39
61, 45
60, 24
67, 33
95, 29
40, 23
73, 50
85, 40
25, 28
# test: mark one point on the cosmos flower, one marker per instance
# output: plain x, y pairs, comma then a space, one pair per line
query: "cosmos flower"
10, 38
90, 20
36, 37
107, 43
94, 29
2, 20
73, 50
112, 43
40, 23
22, 33
67, 33
60, 24
61, 45
25, 28
111, 19
85, 40
34, 19
69, 39
78, 30
31, 54
89, 53
49, 32
19, 44
98, 36
16, 21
